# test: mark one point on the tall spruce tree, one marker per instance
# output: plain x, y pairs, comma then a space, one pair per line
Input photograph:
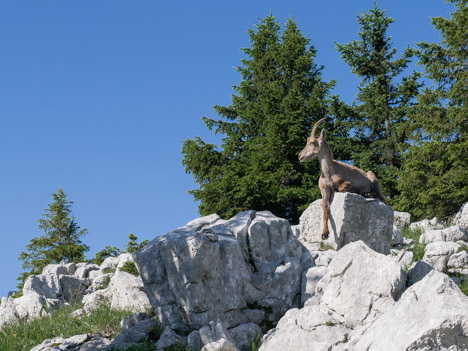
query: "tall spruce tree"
434, 181
378, 119
61, 240
274, 107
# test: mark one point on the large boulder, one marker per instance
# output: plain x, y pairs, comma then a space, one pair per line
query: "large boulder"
426, 224
27, 307
247, 269
431, 315
352, 218
361, 283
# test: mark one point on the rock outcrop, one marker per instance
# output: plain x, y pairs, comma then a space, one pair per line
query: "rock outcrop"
352, 218
244, 270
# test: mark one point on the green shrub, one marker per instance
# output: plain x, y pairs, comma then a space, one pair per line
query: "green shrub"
23, 336
130, 267
326, 247
462, 247
109, 270
418, 249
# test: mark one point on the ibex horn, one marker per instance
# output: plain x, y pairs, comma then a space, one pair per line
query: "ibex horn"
314, 130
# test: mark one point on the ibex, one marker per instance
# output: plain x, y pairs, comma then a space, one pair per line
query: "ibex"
337, 176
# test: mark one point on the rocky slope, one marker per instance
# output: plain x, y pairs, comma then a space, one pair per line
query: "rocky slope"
216, 285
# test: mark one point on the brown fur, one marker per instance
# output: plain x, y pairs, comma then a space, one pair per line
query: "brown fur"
337, 176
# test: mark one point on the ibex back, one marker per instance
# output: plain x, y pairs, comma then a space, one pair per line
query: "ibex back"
337, 176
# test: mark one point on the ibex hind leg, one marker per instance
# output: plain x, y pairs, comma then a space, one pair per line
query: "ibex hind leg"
376, 187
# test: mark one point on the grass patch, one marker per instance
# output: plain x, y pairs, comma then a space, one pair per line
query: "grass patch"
109, 270
329, 324
23, 336
130, 267
462, 247
326, 247
418, 249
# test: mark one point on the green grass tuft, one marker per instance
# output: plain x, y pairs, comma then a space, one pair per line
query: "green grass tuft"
23, 336
130, 267
418, 249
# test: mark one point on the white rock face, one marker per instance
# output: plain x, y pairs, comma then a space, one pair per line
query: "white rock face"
62, 268
310, 328
461, 219
418, 270
404, 258
401, 219
27, 307
431, 315
361, 283
215, 337
247, 269
352, 218
458, 263
426, 224
83, 269
438, 253
83, 342
453, 233
397, 238
127, 292
46, 285
310, 280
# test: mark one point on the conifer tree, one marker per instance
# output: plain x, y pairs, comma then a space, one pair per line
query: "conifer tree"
434, 181
61, 240
378, 120
133, 245
274, 107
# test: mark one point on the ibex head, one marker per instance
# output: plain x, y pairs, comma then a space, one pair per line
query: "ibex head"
314, 144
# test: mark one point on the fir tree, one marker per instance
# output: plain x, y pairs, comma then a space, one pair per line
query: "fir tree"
274, 107
434, 181
378, 120
61, 240
132, 244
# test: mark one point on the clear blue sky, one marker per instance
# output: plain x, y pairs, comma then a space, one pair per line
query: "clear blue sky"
98, 96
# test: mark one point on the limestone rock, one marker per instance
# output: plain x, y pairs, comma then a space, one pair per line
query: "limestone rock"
453, 233
83, 269
168, 338
310, 280
401, 219
418, 270
461, 218
46, 285
310, 328
83, 342
127, 292
361, 283
397, 238
458, 263
139, 331
246, 269
352, 218
216, 337
426, 225
194, 342
58, 269
323, 258
95, 299
244, 334
73, 288
438, 253
404, 258
441, 312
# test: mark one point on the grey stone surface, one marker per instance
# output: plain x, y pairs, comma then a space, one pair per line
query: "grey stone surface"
247, 269
404, 258
73, 288
453, 233
138, 332
310, 280
127, 292
46, 285
61, 268
361, 283
401, 219
168, 338
397, 238
352, 218
431, 315
82, 342
458, 263
216, 337
438, 253
194, 341
244, 334
323, 258
83, 269
426, 225
461, 218
417, 271
310, 328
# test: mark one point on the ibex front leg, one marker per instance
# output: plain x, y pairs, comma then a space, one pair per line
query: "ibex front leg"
326, 193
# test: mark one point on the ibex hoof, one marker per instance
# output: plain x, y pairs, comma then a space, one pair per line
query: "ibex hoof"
324, 236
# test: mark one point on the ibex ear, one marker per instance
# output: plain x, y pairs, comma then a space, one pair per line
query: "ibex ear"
322, 134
